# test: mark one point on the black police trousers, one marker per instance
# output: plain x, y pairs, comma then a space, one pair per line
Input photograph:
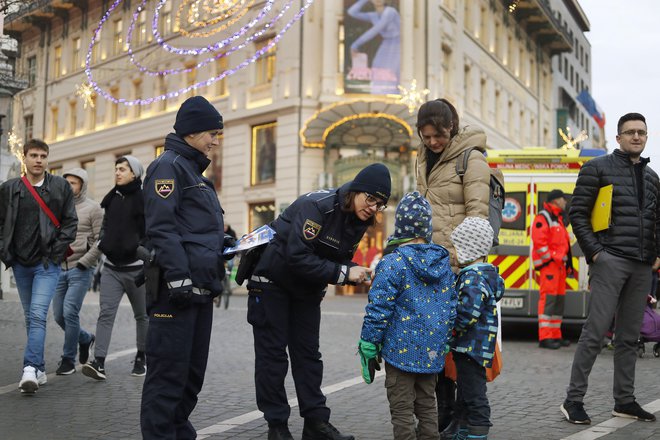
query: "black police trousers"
280, 320
177, 352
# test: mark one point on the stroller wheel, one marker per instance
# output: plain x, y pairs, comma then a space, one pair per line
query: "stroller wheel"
656, 350
641, 349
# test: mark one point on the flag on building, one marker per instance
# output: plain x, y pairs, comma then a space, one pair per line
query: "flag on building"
592, 108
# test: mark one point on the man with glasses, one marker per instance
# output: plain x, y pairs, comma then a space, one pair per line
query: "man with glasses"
621, 259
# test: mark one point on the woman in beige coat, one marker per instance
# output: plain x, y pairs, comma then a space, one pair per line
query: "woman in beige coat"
452, 199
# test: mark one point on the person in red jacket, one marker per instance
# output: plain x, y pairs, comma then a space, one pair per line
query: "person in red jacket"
551, 255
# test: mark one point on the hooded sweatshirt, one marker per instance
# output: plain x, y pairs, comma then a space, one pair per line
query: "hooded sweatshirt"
90, 218
412, 306
479, 287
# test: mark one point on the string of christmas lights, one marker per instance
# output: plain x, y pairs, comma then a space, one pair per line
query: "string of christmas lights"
91, 84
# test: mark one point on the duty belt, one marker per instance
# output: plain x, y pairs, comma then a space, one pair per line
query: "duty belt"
198, 291
258, 279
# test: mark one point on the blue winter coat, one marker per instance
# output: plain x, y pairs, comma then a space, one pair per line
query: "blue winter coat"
479, 287
412, 306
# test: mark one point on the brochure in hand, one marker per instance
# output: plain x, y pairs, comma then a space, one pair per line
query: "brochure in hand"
259, 236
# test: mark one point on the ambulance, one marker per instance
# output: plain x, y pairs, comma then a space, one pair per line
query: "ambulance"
529, 175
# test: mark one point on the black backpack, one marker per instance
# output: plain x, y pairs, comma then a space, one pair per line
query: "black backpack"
496, 197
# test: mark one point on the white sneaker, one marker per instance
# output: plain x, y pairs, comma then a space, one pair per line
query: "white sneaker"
41, 377
29, 383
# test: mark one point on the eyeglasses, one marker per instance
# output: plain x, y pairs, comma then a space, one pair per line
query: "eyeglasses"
373, 201
641, 133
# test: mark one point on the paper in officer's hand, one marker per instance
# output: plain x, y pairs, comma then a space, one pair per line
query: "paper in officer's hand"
259, 236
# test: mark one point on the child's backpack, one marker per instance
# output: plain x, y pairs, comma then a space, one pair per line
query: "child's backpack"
497, 194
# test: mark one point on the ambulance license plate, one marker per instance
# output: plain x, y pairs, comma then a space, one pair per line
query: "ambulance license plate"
512, 303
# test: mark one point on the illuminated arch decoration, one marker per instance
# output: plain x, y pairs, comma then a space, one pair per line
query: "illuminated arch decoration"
216, 17
377, 123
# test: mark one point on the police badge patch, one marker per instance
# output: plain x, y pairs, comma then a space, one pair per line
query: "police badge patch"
164, 187
311, 229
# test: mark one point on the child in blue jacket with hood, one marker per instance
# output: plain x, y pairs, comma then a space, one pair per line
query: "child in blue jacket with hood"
409, 318
479, 287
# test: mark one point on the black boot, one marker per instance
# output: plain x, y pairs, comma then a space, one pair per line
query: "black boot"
450, 431
319, 430
279, 432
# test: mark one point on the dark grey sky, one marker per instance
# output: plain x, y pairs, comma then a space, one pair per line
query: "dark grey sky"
625, 52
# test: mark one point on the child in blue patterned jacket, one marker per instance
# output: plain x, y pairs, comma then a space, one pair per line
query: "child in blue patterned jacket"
479, 287
409, 318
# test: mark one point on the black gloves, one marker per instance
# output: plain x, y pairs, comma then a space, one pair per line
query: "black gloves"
228, 242
180, 297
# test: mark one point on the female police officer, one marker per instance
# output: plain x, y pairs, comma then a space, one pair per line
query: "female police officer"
315, 240
185, 227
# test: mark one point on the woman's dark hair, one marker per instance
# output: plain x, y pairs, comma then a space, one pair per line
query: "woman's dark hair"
347, 206
440, 114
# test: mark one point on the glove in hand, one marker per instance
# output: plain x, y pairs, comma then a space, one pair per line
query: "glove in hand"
369, 359
181, 297
228, 242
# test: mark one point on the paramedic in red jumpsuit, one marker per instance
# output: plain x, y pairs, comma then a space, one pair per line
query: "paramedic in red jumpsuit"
551, 256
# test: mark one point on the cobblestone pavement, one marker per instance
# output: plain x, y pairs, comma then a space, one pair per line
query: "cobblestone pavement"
525, 399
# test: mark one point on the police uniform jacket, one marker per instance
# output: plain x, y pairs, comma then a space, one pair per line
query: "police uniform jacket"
183, 218
313, 245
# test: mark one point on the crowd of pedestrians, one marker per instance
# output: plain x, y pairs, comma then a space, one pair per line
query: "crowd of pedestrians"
432, 315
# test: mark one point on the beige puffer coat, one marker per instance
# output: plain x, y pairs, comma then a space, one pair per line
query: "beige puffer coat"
90, 218
451, 199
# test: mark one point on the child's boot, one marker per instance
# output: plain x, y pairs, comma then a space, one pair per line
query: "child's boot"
450, 431
477, 432
461, 433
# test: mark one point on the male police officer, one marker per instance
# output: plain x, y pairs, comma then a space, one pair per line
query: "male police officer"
184, 225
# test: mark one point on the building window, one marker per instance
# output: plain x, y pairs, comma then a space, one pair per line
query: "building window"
261, 214
137, 94
55, 171
264, 67
114, 107
57, 62
165, 25
221, 65
28, 124
90, 167
32, 71
484, 28
191, 78
140, 33
446, 67
160, 149
73, 117
76, 47
214, 170
263, 153
91, 114
54, 126
118, 37
95, 53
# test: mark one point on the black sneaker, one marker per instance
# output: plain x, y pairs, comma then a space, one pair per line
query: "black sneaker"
552, 344
83, 350
632, 410
279, 432
94, 369
139, 366
574, 412
66, 367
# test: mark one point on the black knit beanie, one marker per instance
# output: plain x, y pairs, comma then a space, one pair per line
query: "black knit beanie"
196, 115
373, 179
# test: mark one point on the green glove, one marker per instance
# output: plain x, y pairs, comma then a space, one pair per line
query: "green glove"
369, 359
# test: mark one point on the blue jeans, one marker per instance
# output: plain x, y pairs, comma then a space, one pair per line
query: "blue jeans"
69, 295
36, 287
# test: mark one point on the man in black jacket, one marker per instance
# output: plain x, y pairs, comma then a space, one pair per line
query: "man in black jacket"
34, 247
621, 259
122, 232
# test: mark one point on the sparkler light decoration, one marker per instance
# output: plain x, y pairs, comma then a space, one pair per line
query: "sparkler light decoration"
411, 97
206, 18
85, 92
16, 147
571, 143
